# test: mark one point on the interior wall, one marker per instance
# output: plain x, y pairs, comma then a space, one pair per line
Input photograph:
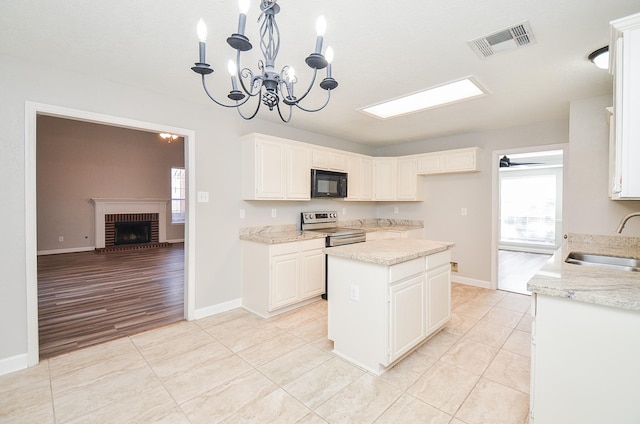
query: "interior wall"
446, 195
78, 161
217, 171
589, 208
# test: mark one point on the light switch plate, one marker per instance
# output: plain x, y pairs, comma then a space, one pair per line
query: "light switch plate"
203, 197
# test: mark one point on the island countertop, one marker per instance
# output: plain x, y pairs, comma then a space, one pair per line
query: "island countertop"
590, 284
389, 252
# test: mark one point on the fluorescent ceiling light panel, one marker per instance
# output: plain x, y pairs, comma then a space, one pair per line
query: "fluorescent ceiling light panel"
430, 98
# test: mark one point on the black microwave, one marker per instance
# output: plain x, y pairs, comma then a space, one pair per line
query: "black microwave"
328, 184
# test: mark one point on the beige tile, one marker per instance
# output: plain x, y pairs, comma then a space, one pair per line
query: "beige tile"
227, 399
525, 323
408, 370
511, 370
170, 341
195, 382
91, 395
247, 337
444, 386
408, 409
460, 324
296, 318
83, 358
23, 378
470, 355
457, 421
361, 402
311, 418
503, 317
437, 345
490, 402
201, 356
487, 297
30, 402
271, 349
113, 366
472, 310
295, 363
153, 405
276, 407
519, 342
490, 334
515, 303
242, 322
225, 317
322, 382
323, 343
313, 331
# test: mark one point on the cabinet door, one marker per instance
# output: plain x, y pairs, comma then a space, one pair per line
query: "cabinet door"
298, 173
460, 160
337, 162
432, 163
406, 316
407, 183
312, 276
353, 182
438, 297
320, 159
366, 179
284, 276
270, 166
385, 178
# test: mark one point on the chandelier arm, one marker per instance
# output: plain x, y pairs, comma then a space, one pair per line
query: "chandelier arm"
286, 121
255, 112
238, 104
320, 108
313, 80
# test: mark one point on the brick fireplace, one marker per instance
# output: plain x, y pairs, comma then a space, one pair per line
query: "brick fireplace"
109, 212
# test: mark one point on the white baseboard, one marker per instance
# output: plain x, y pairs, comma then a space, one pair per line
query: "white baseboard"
471, 281
13, 364
219, 308
70, 250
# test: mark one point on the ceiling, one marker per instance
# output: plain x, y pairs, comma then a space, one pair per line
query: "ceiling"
382, 50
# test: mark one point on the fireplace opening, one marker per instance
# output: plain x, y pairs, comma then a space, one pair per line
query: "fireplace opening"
132, 232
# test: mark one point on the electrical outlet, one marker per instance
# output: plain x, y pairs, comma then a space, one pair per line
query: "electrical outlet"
355, 292
454, 266
274, 213
396, 209
463, 211
242, 214
60, 239
344, 211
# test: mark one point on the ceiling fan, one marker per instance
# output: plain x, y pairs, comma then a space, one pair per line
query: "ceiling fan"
505, 162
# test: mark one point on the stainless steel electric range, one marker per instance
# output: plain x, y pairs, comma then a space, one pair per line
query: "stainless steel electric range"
327, 222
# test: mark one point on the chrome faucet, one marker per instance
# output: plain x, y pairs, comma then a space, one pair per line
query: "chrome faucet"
624, 221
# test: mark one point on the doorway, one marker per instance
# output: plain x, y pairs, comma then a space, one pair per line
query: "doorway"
33, 110
528, 227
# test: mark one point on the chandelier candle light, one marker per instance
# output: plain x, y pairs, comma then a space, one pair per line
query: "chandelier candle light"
267, 85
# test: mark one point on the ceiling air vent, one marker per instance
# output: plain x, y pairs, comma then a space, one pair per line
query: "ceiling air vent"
504, 40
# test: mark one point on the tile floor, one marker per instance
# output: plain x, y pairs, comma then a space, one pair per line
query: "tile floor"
238, 368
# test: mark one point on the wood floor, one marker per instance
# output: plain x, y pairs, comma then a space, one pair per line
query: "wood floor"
87, 298
516, 268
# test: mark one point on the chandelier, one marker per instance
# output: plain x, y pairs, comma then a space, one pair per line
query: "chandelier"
269, 87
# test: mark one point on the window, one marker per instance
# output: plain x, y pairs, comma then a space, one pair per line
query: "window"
178, 190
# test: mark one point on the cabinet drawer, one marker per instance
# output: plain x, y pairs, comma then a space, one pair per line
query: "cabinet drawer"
406, 269
284, 248
437, 259
312, 244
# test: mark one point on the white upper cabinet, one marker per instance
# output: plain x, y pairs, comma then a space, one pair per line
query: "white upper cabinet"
408, 185
360, 177
275, 170
384, 185
449, 161
625, 155
328, 160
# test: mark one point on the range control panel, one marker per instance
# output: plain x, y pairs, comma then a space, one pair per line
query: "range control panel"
317, 217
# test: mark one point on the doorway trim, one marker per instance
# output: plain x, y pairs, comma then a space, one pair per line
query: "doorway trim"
495, 187
32, 110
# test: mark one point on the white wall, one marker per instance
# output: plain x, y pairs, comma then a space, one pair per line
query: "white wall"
217, 165
588, 206
445, 195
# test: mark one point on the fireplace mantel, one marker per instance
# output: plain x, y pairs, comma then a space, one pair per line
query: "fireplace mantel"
106, 206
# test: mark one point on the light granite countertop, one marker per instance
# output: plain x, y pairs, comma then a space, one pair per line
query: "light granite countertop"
390, 251
601, 286
274, 234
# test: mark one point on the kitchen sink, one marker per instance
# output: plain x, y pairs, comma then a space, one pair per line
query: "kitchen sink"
604, 261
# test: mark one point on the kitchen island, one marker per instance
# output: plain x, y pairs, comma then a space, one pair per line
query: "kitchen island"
386, 297
585, 349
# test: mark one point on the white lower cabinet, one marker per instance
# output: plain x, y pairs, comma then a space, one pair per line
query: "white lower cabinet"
379, 313
279, 277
